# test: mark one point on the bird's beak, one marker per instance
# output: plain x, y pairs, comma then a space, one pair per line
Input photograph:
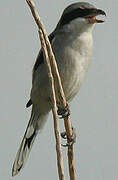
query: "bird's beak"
93, 14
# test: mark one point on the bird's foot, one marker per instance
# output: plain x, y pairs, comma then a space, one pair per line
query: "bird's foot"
71, 139
63, 112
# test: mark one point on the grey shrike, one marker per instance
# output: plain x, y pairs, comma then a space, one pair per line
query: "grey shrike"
72, 44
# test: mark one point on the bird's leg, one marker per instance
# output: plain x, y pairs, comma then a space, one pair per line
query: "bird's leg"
71, 140
63, 112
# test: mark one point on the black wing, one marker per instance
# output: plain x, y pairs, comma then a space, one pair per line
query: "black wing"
40, 57
39, 61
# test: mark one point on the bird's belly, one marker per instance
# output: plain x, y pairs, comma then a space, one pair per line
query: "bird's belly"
73, 68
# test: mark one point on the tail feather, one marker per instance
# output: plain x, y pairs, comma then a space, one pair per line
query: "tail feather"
34, 125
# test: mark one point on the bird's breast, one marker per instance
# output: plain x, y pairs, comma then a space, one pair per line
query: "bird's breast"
73, 59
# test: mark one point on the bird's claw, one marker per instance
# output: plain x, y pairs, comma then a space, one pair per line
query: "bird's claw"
71, 139
63, 112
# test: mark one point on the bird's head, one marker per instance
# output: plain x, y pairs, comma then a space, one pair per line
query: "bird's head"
81, 15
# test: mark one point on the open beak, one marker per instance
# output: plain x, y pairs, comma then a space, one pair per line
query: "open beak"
93, 14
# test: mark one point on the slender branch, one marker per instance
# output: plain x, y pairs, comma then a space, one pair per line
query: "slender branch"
62, 99
54, 110
53, 96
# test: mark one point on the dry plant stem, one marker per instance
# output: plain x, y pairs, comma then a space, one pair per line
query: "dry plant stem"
53, 96
67, 123
72, 171
59, 86
54, 109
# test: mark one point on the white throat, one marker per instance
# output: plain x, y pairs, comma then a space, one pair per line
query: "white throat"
78, 26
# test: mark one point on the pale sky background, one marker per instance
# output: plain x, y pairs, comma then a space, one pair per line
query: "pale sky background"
94, 111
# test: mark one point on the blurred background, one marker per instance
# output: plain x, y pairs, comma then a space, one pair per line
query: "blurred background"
94, 111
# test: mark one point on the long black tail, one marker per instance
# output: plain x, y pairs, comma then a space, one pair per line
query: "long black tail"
34, 125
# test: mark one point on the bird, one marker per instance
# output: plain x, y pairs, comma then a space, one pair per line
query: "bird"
72, 44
